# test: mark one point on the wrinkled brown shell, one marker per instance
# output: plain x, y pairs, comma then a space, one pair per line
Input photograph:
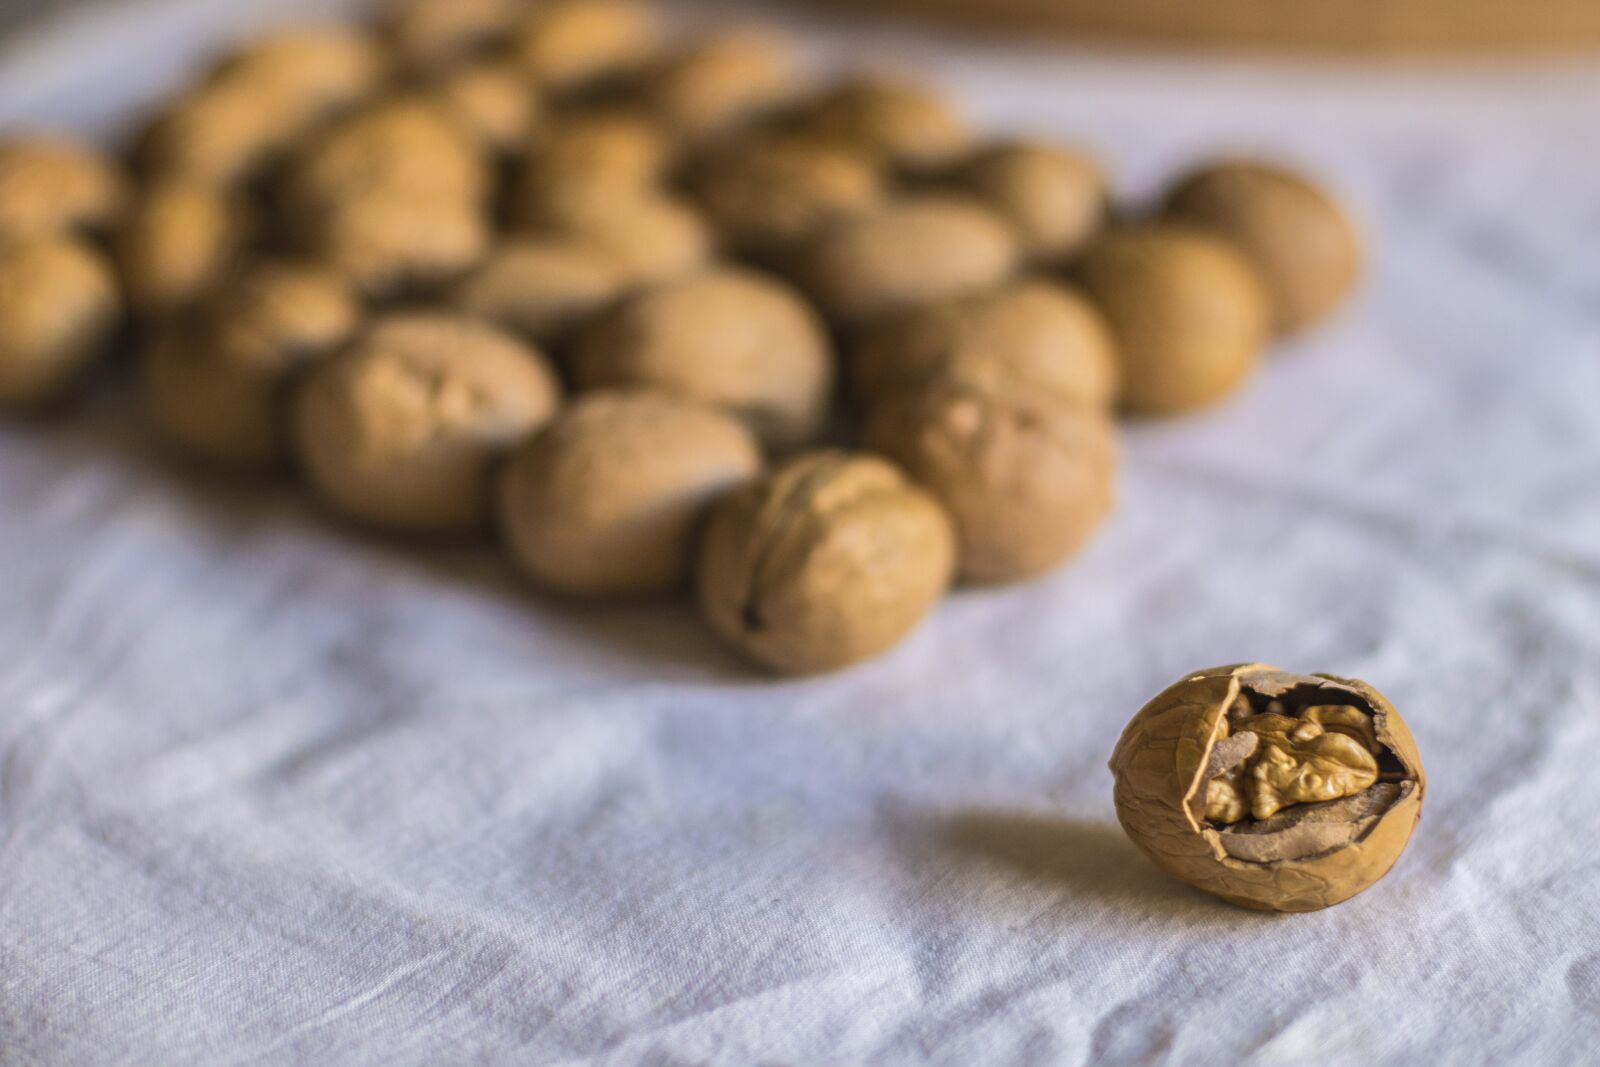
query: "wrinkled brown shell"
492, 100
1186, 311
1160, 763
180, 238
585, 162
1025, 479
430, 34
59, 308
913, 251
829, 559
541, 287
606, 500
719, 83
651, 237
571, 44
392, 245
1056, 198
50, 185
728, 337
768, 193
1033, 338
908, 126
217, 381
222, 133
1301, 243
401, 431
313, 70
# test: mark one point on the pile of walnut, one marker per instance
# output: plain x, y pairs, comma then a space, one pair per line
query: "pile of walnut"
537, 265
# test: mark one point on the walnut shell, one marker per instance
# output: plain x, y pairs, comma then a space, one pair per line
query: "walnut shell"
314, 70
1056, 198
433, 34
59, 310
541, 288
1031, 338
831, 558
402, 430
221, 133
49, 185
1025, 479
178, 241
1188, 316
912, 251
585, 161
606, 500
727, 336
910, 127
493, 101
217, 381
572, 44
1307, 857
650, 236
768, 193
719, 83
1301, 243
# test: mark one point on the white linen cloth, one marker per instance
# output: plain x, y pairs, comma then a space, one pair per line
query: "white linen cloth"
274, 794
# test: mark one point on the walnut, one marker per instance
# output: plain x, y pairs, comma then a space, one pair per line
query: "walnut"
827, 560
1272, 790
768, 193
58, 312
585, 162
178, 241
650, 236
50, 185
542, 287
719, 83
217, 380
1056, 198
434, 34
606, 501
572, 44
1303, 246
393, 245
1025, 478
908, 126
1188, 316
218, 133
726, 336
913, 251
315, 70
493, 100
1033, 338
402, 430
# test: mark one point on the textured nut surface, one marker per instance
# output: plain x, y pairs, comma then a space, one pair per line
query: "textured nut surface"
768, 193
1301, 243
401, 431
605, 502
407, 146
50, 184
1188, 316
909, 126
223, 132
493, 100
827, 560
569, 44
1303, 853
217, 383
586, 161
650, 236
728, 337
1031, 338
393, 244
1025, 479
719, 83
58, 309
178, 240
1056, 198
910, 252
312, 70
541, 287
431, 34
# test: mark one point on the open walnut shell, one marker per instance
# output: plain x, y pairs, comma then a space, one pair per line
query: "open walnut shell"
1188, 759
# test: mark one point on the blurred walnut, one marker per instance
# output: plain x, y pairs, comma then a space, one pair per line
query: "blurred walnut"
719, 83
314, 70
768, 193
401, 431
179, 241
1025, 478
912, 251
1301, 244
726, 336
217, 380
58, 311
606, 501
221, 133
393, 245
827, 560
587, 160
1188, 315
650, 236
1055, 198
572, 44
434, 34
908, 126
494, 101
1030, 338
541, 288
51, 185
